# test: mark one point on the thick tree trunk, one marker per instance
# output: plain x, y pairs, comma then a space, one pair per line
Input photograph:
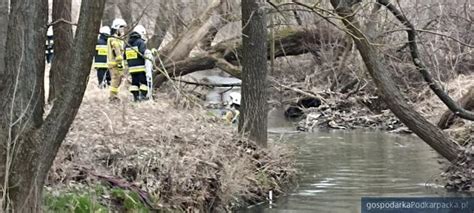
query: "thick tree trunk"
432, 135
63, 37
29, 143
64, 110
466, 102
22, 90
22, 104
253, 116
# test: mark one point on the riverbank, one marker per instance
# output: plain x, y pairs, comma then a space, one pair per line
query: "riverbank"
160, 155
364, 110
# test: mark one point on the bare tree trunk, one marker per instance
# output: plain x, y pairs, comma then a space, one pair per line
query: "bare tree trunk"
162, 24
3, 31
63, 37
466, 102
29, 143
64, 110
390, 93
253, 117
109, 12
209, 37
180, 47
224, 12
125, 7
22, 104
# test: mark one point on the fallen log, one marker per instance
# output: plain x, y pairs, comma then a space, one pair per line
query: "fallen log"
287, 42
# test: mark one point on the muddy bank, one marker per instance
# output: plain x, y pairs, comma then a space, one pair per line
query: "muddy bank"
172, 157
365, 110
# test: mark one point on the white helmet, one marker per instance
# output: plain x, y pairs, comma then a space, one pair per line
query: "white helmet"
140, 29
50, 31
105, 30
234, 98
118, 23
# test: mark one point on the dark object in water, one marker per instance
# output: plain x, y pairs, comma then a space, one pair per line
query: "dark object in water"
296, 110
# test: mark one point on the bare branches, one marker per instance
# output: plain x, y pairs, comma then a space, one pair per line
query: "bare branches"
277, 85
391, 94
61, 21
434, 33
437, 89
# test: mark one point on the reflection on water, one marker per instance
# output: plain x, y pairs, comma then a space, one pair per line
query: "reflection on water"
338, 168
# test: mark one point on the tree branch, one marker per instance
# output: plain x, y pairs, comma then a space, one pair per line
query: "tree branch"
61, 20
435, 87
390, 92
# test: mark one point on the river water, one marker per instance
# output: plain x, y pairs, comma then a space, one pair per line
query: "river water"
337, 168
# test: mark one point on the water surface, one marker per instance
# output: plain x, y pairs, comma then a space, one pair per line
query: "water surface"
337, 168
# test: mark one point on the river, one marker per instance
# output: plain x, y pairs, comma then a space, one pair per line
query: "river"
337, 168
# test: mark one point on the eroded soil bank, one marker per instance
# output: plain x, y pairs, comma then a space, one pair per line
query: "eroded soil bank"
160, 155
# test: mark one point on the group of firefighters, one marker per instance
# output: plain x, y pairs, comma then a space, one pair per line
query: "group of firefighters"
114, 55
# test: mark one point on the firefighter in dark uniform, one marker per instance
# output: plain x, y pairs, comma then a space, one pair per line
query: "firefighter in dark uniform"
134, 52
49, 45
100, 59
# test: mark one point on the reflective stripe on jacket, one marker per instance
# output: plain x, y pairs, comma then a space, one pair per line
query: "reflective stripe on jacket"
101, 50
134, 53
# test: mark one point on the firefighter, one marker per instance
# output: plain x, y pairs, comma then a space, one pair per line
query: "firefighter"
100, 60
115, 56
49, 45
232, 116
134, 53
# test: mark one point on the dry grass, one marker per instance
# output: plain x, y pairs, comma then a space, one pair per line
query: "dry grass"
183, 158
